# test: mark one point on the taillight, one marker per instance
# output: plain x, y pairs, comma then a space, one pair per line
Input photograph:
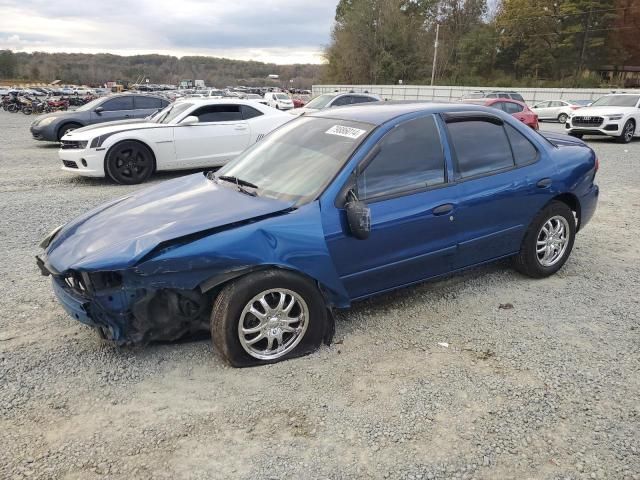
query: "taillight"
597, 165
574, 107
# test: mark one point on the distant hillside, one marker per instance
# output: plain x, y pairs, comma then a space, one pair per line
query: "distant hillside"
93, 69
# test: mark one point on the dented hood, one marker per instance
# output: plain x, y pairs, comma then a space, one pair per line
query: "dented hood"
116, 235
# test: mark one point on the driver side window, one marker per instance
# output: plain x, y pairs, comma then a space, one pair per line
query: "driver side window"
410, 159
218, 113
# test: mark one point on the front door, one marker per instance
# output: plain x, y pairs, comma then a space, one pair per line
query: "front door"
220, 135
412, 234
118, 108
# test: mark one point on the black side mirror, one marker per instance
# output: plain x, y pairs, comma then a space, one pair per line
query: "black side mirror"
358, 218
98, 110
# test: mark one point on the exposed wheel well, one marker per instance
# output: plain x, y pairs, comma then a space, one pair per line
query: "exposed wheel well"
573, 203
153, 155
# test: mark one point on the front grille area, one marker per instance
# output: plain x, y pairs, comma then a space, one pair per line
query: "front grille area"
69, 164
587, 121
72, 145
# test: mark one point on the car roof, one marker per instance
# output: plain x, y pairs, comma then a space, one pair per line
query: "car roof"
379, 113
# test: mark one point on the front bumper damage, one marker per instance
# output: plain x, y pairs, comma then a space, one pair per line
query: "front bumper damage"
127, 314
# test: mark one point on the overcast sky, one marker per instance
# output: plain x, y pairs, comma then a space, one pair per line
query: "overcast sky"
280, 31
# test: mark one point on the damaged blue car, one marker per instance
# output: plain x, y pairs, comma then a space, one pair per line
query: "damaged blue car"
331, 208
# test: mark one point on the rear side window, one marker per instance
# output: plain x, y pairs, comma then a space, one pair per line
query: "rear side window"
360, 99
147, 103
118, 103
517, 96
410, 158
249, 112
481, 147
218, 113
523, 150
511, 107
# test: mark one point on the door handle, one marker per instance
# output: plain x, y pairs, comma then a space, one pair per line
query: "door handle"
443, 209
241, 127
544, 183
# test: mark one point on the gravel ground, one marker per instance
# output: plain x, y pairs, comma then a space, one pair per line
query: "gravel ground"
547, 389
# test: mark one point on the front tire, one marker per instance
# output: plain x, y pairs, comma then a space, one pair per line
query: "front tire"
66, 128
548, 241
628, 131
266, 317
129, 163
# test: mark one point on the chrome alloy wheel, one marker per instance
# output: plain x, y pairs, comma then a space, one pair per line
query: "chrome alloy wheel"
552, 241
273, 323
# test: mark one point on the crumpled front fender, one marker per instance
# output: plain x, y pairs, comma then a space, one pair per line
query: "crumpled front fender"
294, 241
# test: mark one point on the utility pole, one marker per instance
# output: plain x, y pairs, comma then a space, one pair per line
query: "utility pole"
585, 39
435, 55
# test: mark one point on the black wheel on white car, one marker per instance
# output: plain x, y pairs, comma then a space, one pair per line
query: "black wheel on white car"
66, 128
548, 241
628, 131
266, 317
129, 162
562, 118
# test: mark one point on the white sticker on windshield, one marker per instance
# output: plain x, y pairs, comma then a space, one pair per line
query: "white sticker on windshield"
343, 131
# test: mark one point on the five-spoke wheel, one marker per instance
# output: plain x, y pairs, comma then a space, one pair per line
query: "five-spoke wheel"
129, 163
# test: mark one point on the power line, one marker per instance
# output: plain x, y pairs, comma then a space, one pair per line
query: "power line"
590, 30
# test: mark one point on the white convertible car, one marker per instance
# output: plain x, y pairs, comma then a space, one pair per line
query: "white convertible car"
193, 133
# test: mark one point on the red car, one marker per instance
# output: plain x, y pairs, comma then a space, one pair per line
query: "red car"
298, 103
512, 107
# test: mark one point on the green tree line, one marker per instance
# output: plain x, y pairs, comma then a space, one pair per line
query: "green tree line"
516, 42
95, 69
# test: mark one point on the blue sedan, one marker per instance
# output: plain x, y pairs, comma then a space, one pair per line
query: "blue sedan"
331, 208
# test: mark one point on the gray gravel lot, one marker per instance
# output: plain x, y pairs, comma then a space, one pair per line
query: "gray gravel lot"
547, 390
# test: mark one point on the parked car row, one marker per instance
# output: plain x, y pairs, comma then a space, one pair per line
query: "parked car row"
332, 207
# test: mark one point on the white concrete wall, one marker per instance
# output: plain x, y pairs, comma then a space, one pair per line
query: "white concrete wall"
452, 94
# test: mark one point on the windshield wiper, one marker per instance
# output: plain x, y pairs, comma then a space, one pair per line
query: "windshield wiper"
239, 183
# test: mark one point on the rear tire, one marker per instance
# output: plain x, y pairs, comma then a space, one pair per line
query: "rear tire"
129, 163
548, 241
270, 335
562, 118
628, 131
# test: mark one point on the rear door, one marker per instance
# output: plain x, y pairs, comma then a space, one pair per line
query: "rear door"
404, 183
118, 108
220, 136
502, 186
145, 105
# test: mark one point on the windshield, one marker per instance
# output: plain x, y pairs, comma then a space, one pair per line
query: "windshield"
321, 101
617, 101
90, 106
298, 160
282, 96
171, 112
